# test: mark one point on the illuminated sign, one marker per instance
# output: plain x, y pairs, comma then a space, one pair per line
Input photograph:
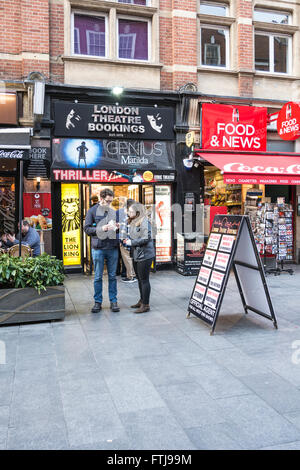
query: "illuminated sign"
163, 224
71, 234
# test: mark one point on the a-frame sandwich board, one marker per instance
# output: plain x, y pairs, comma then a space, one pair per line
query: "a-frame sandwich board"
231, 246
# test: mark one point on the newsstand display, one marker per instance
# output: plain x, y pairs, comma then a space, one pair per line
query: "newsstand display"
272, 225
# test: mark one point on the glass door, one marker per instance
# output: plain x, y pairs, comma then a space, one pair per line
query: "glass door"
7, 204
87, 250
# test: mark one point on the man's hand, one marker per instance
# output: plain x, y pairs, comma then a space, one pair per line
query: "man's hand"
127, 242
108, 227
11, 238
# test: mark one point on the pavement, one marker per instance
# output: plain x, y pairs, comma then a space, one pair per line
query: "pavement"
158, 380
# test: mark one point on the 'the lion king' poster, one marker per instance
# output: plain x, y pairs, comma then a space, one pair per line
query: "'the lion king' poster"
71, 236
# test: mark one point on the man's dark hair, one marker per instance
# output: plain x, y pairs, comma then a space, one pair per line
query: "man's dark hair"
129, 203
106, 192
25, 223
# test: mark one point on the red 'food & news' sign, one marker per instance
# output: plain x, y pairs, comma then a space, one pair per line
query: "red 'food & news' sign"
288, 121
226, 127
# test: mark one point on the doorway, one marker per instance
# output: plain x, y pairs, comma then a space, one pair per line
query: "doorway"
7, 203
144, 194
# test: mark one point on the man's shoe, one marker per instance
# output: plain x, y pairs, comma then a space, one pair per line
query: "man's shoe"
129, 279
143, 308
97, 307
114, 307
137, 305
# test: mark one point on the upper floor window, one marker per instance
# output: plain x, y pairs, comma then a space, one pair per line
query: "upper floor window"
269, 16
272, 52
133, 39
217, 9
214, 46
89, 36
136, 2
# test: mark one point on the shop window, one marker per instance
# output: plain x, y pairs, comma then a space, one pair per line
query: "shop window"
269, 16
214, 46
133, 39
89, 35
217, 9
272, 53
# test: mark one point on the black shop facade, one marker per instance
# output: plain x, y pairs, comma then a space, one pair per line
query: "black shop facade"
127, 147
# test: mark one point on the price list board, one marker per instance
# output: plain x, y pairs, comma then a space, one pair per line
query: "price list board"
210, 283
231, 245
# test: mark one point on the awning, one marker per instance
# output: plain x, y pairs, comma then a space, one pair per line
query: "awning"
251, 168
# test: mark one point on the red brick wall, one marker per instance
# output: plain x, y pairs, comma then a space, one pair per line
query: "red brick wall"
245, 48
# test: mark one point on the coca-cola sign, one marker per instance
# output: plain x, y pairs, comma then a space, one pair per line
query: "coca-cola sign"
288, 121
227, 127
14, 154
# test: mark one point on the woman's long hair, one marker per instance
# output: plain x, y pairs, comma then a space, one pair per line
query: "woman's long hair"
140, 213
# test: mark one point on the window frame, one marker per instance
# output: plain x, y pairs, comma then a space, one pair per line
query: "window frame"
215, 4
146, 20
227, 47
267, 10
92, 15
289, 62
131, 2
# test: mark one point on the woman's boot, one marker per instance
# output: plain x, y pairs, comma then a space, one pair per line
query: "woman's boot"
143, 308
137, 305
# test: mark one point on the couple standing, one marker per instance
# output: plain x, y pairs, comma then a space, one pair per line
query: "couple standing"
102, 225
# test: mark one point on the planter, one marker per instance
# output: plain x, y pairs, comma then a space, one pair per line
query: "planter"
19, 306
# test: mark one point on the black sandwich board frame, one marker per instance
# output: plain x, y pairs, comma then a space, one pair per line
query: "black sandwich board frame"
242, 256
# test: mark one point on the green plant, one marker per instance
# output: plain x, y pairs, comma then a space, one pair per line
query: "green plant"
38, 272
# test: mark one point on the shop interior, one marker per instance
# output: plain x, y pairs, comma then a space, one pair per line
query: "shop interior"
148, 195
269, 207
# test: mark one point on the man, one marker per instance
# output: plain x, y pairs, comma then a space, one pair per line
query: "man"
82, 149
100, 224
29, 236
125, 251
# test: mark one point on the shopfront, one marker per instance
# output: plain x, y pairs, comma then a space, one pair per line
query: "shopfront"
14, 151
246, 173
129, 149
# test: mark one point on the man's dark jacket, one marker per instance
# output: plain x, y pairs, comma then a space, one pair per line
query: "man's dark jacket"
96, 217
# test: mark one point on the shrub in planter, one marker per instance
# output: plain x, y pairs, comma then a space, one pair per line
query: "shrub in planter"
31, 289
38, 272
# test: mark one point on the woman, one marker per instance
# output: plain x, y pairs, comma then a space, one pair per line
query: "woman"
142, 252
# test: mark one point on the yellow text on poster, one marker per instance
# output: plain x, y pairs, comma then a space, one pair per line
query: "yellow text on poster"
71, 233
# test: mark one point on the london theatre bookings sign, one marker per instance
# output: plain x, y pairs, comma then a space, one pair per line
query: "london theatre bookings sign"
106, 121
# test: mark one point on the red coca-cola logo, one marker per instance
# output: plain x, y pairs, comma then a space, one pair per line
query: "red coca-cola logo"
288, 121
238, 167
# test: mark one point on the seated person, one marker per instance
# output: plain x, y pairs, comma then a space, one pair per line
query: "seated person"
4, 243
29, 236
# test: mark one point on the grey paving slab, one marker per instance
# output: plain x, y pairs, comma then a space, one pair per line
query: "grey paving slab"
255, 423
217, 381
4, 415
92, 419
39, 436
155, 428
6, 386
191, 405
138, 392
287, 446
82, 382
3, 437
213, 437
237, 362
274, 390
164, 370
294, 418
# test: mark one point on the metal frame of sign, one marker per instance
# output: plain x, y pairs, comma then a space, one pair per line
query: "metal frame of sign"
234, 263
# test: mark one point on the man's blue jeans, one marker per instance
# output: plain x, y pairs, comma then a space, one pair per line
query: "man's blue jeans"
111, 256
